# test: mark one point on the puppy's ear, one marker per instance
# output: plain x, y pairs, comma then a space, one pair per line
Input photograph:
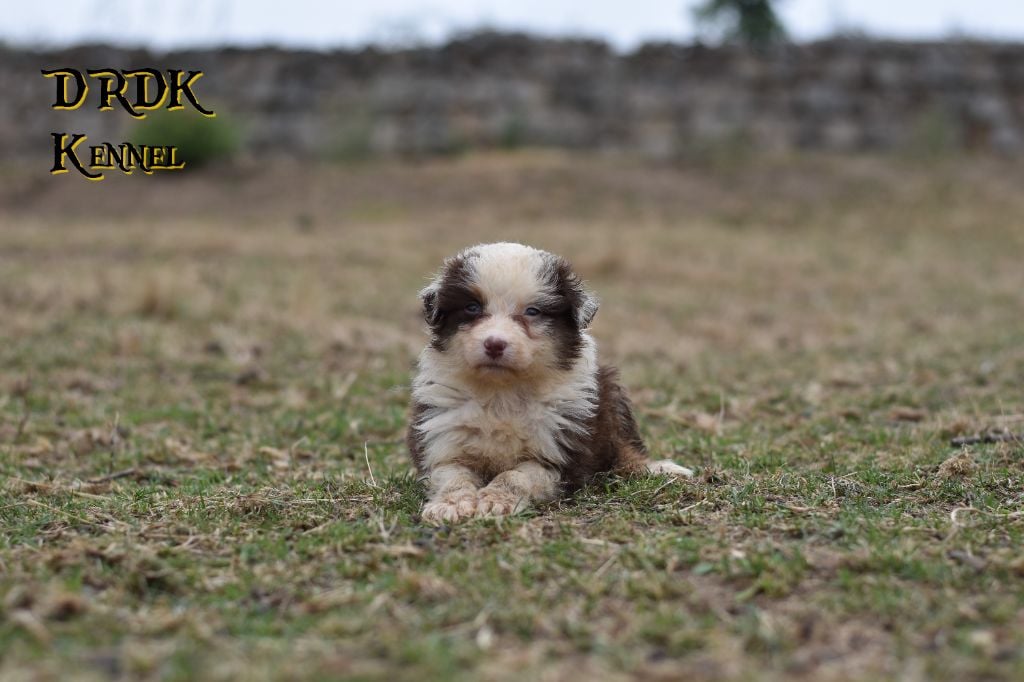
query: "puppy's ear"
567, 284
587, 308
430, 310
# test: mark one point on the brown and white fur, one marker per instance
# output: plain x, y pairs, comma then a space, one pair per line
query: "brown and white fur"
509, 404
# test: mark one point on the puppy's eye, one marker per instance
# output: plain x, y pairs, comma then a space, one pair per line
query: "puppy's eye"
531, 312
474, 309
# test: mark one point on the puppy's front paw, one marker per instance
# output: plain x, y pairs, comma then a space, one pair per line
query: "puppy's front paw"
498, 502
669, 468
450, 508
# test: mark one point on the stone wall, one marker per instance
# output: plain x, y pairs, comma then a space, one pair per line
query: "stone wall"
507, 90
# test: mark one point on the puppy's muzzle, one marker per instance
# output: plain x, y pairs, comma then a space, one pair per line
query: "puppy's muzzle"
495, 346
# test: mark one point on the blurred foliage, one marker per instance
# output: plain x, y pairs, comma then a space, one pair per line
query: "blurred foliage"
723, 154
352, 138
514, 132
752, 22
199, 139
934, 134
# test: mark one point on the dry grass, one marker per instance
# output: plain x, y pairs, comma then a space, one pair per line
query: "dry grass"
198, 372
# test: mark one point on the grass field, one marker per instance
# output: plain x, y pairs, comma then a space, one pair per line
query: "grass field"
203, 384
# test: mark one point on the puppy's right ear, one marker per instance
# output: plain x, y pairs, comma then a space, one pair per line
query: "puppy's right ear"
430, 311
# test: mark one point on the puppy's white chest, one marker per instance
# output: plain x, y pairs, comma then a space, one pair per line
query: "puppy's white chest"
502, 434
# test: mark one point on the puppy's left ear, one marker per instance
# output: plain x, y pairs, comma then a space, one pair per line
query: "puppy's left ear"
567, 284
586, 309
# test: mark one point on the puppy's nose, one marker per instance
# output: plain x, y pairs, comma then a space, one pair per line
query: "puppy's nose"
494, 347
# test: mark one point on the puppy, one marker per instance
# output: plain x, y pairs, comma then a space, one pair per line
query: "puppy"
509, 404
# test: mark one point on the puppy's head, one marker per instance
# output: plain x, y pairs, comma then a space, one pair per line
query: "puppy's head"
507, 311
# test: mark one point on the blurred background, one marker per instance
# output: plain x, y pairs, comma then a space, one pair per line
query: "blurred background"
748, 176
664, 79
445, 123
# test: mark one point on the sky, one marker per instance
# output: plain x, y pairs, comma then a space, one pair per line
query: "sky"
168, 24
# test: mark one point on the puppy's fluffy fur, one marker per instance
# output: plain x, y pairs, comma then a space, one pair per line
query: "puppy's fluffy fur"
509, 404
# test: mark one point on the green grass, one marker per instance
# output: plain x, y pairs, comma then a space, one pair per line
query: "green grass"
201, 420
